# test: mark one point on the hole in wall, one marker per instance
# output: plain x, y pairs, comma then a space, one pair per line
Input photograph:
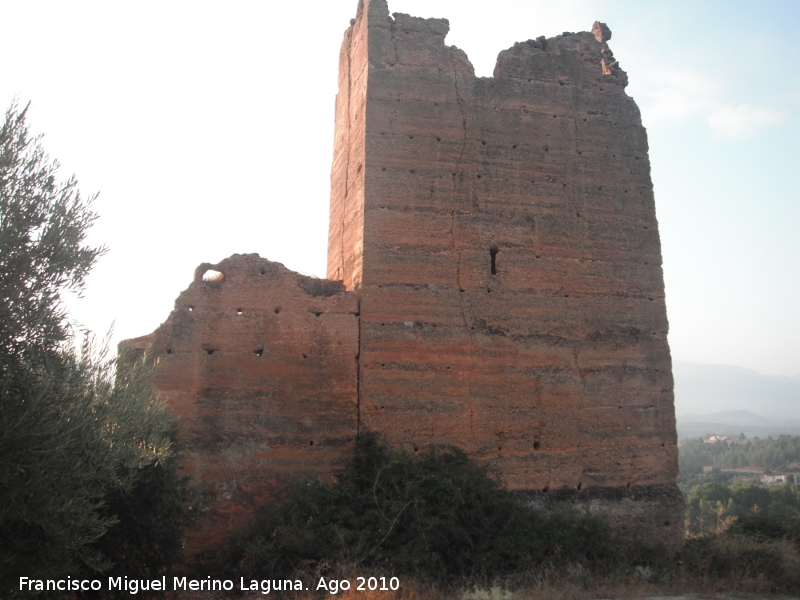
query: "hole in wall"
488, 290
537, 445
483, 142
628, 485
263, 271
190, 308
515, 146
239, 311
383, 169
169, 351
311, 443
212, 276
258, 352
561, 83
546, 489
438, 139
416, 448
666, 523
277, 310
210, 351
305, 356
493, 257
580, 485
317, 313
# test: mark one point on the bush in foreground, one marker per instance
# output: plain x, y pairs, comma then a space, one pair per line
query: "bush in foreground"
438, 516
757, 553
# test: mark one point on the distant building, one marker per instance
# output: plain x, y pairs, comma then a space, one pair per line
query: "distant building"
778, 479
717, 438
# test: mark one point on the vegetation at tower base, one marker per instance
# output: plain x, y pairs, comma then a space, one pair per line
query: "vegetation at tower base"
83, 438
438, 515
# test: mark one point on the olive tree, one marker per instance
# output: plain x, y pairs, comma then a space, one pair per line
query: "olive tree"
78, 430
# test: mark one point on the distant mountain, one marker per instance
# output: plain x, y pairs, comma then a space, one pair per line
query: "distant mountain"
708, 389
731, 417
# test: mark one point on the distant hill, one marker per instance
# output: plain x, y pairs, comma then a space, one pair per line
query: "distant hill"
729, 400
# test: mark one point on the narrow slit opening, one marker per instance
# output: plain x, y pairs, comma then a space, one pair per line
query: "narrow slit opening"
493, 254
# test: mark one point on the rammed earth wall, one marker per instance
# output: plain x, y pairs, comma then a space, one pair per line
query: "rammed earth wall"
498, 242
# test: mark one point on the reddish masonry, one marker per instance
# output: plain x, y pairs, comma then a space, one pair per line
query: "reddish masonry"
495, 283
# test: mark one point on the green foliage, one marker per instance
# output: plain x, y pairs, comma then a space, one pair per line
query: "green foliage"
43, 225
761, 552
83, 438
147, 538
438, 515
763, 527
744, 563
713, 506
769, 453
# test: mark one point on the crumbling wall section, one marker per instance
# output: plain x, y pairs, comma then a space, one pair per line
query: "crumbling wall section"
259, 364
512, 298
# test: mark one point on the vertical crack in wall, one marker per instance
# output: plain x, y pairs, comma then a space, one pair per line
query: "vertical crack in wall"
456, 251
392, 26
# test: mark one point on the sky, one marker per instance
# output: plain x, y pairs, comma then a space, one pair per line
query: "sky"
207, 129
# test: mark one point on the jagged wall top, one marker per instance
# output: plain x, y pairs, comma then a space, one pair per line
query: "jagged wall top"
523, 60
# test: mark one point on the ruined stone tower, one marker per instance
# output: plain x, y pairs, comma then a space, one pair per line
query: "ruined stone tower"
502, 289
501, 233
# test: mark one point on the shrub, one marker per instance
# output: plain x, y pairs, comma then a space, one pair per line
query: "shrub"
439, 516
744, 562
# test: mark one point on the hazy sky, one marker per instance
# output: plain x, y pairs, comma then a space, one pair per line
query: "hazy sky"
207, 128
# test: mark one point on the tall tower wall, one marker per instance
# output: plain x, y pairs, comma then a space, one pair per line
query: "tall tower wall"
502, 235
